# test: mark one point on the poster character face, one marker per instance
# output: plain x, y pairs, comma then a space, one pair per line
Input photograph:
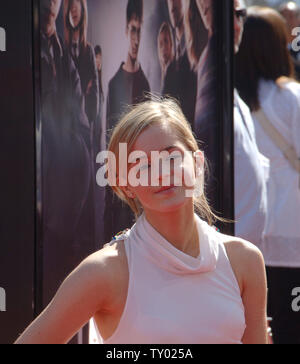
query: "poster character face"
75, 13
50, 10
134, 37
165, 47
206, 11
176, 12
239, 10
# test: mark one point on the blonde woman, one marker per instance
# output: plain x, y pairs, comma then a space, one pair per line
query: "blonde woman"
171, 278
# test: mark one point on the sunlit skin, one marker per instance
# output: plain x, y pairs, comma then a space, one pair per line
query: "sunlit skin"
133, 34
49, 14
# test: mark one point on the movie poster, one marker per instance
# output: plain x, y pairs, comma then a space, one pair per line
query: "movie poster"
97, 57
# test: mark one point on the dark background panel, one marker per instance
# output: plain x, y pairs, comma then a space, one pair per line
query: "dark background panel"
17, 145
224, 15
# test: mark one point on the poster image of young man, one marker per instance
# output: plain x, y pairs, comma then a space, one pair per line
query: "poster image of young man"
129, 83
127, 87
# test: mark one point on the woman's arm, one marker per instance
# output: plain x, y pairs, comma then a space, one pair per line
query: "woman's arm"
81, 295
255, 298
249, 267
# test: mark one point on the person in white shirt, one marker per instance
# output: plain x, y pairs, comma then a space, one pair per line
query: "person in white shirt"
265, 81
250, 173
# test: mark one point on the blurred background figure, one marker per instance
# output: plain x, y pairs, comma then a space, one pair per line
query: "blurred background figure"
180, 81
206, 111
291, 12
207, 74
76, 24
99, 145
265, 81
82, 53
195, 33
165, 49
99, 140
251, 167
65, 156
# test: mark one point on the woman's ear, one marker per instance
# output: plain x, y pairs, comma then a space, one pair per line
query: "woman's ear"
199, 159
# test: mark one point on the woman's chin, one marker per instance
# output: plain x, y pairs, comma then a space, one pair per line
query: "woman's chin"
173, 203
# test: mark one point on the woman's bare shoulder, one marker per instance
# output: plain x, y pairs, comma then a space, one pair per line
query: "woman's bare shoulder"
246, 259
108, 261
240, 247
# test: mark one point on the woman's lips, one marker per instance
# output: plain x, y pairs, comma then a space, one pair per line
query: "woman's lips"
167, 188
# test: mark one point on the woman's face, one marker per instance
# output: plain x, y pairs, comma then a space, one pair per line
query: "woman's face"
164, 48
75, 13
181, 172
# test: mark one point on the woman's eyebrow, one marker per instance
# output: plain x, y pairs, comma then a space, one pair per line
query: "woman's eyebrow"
170, 147
162, 150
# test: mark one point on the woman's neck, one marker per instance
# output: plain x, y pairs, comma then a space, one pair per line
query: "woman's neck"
179, 228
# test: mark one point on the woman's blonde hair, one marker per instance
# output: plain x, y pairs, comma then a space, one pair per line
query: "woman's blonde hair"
158, 110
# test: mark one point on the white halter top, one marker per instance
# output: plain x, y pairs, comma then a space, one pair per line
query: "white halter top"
174, 298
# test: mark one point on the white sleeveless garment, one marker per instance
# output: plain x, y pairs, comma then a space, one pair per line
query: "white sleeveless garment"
174, 298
